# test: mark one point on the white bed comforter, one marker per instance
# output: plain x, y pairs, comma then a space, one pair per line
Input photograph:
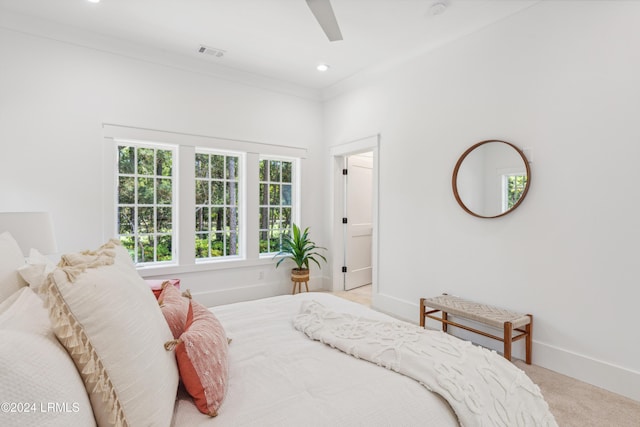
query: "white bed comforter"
483, 388
279, 377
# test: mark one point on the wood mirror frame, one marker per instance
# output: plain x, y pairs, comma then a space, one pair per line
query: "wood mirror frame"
456, 170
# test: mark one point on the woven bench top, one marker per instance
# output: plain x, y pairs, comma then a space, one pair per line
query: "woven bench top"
482, 313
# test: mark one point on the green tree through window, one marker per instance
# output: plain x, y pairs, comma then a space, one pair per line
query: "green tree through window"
145, 202
275, 202
217, 204
514, 189
209, 207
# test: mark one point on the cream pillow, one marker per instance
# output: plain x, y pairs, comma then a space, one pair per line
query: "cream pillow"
11, 257
38, 379
103, 313
25, 312
36, 269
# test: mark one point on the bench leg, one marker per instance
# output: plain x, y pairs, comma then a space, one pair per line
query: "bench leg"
528, 340
445, 316
508, 329
422, 312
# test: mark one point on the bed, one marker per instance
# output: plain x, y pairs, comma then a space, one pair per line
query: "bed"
279, 377
88, 343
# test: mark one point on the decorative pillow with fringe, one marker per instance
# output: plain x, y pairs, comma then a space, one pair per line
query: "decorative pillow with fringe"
174, 308
201, 352
156, 285
111, 325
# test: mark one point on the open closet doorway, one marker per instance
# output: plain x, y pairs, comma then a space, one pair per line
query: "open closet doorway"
358, 227
355, 216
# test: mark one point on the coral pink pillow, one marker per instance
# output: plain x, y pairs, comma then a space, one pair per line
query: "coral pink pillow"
156, 285
174, 308
201, 352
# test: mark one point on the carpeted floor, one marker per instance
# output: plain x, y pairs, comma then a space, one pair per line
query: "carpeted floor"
578, 404
572, 402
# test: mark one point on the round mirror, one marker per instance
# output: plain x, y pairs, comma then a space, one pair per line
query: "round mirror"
491, 179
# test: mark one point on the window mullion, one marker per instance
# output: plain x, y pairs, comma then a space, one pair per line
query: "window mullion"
185, 222
251, 203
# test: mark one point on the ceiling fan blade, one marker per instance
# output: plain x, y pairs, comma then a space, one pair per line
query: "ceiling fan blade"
323, 12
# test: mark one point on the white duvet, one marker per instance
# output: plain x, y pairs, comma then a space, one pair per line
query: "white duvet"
482, 387
279, 377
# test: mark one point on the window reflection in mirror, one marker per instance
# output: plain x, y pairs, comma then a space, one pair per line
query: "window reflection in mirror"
491, 179
513, 185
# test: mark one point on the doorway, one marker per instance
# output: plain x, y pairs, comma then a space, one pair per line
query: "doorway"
359, 232
358, 228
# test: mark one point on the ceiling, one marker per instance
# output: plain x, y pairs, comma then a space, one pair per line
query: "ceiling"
274, 39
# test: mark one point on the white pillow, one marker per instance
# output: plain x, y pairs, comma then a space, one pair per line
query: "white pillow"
25, 312
36, 269
11, 257
104, 314
38, 379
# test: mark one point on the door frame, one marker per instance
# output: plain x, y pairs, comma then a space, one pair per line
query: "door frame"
338, 154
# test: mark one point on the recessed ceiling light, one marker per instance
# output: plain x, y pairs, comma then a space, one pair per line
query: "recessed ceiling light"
322, 67
93, 1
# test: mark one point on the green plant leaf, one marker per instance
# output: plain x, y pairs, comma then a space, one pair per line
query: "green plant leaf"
298, 247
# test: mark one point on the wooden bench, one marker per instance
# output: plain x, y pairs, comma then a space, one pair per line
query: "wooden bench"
508, 321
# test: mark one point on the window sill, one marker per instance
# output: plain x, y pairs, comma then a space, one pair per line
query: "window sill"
174, 269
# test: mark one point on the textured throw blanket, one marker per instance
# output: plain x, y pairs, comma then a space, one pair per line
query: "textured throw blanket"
482, 387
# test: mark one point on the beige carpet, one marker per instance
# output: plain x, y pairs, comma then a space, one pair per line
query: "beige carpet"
579, 404
572, 402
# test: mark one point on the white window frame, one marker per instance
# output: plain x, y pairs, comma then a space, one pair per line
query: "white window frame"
295, 193
174, 214
184, 220
242, 229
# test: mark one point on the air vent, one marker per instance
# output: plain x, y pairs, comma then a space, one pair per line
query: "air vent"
211, 51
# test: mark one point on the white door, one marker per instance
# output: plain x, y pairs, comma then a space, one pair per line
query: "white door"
359, 214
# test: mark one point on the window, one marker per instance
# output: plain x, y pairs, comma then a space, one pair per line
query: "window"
275, 202
145, 200
513, 187
217, 204
185, 202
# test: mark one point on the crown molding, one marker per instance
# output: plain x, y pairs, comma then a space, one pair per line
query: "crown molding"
49, 30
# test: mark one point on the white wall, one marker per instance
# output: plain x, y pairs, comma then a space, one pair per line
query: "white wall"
54, 98
560, 78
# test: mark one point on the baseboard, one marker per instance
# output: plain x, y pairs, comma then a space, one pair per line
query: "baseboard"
395, 307
599, 373
602, 374
234, 294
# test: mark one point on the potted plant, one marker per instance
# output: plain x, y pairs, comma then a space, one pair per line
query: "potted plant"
300, 249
